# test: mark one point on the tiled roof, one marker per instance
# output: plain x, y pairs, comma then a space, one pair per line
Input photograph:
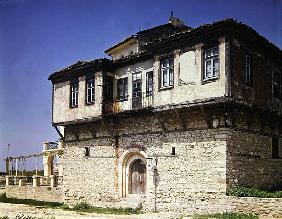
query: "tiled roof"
182, 33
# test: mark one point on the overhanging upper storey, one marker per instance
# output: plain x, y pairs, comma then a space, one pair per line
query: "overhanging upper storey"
77, 91
172, 65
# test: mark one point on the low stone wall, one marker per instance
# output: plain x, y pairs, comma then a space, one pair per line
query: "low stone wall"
270, 207
41, 193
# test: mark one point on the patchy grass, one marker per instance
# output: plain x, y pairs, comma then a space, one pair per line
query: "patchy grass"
253, 192
4, 217
85, 207
81, 207
31, 202
226, 216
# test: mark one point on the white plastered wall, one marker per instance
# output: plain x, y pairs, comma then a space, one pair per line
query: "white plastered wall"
62, 112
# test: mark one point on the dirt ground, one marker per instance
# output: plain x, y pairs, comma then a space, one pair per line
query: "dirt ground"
12, 210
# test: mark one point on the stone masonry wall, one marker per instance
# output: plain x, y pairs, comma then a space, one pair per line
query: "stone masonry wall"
189, 181
249, 162
41, 193
195, 180
264, 207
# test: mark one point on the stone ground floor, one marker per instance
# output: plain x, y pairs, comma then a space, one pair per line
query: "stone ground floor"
12, 210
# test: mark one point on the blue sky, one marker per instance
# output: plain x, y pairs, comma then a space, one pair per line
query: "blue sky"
38, 37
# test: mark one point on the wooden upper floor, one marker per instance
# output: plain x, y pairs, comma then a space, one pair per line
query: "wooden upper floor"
223, 60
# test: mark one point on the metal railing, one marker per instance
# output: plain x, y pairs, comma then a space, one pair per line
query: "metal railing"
52, 145
134, 103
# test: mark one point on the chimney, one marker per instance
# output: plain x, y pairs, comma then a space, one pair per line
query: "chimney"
175, 21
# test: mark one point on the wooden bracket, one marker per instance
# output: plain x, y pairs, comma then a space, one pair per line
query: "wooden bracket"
75, 132
160, 121
251, 118
263, 121
59, 133
180, 119
92, 131
107, 126
205, 117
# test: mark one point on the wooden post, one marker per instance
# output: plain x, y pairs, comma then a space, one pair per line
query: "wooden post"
16, 167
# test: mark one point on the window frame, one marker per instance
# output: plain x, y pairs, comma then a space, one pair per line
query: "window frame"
74, 94
248, 70
123, 84
149, 92
212, 58
169, 69
91, 90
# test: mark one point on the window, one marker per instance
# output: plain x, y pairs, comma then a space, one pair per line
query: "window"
74, 95
275, 147
276, 85
108, 88
87, 151
173, 151
122, 89
211, 61
90, 91
149, 84
248, 80
167, 72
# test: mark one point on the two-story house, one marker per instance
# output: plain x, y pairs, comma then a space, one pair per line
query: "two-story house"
173, 120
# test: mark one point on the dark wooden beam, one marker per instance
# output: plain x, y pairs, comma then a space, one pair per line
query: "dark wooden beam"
59, 133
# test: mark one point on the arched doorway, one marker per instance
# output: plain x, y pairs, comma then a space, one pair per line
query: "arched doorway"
137, 177
133, 173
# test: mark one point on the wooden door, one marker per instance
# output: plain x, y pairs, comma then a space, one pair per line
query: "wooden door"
138, 177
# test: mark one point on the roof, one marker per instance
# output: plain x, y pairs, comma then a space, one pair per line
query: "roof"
180, 37
121, 42
79, 66
229, 24
151, 33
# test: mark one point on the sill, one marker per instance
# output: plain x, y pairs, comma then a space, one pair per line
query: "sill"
209, 80
166, 88
276, 158
248, 86
89, 104
73, 107
122, 100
